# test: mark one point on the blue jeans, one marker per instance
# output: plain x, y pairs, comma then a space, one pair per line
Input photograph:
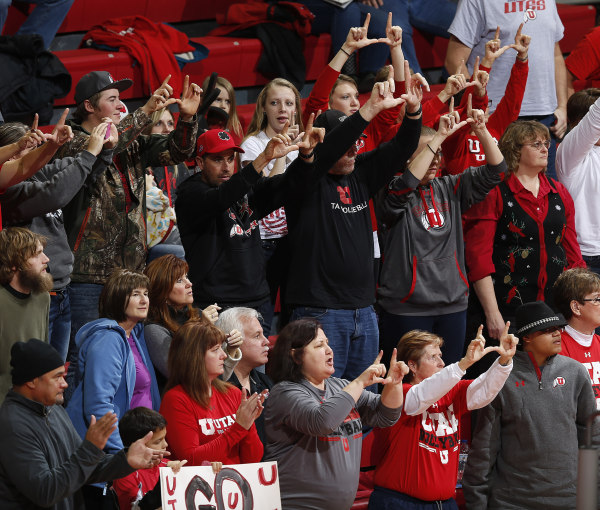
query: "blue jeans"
165, 249
59, 326
386, 499
84, 299
353, 335
44, 20
451, 327
338, 22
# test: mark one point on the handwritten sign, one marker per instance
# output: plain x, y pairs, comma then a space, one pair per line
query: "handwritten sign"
235, 487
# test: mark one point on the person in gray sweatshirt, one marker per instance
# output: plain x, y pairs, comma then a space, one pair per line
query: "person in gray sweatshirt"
314, 422
525, 444
36, 204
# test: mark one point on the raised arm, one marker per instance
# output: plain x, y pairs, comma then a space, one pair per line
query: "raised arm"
560, 79
456, 56
17, 170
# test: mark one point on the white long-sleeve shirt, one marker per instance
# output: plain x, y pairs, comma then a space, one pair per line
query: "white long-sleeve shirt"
578, 168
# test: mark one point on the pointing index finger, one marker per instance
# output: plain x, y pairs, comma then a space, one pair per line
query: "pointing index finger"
165, 81
497, 34
451, 107
36, 119
378, 358
388, 27
367, 21
519, 30
63, 118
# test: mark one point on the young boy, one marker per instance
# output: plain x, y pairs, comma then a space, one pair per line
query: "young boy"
134, 425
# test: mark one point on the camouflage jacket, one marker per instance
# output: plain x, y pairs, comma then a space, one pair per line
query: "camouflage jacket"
105, 227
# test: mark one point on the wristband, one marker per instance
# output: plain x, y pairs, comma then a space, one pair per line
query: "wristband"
306, 156
434, 153
414, 114
522, 59
342, 49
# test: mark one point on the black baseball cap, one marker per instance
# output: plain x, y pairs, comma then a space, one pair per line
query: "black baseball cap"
330, 119
97, 81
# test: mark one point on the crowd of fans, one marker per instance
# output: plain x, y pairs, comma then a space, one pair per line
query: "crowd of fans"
390, 248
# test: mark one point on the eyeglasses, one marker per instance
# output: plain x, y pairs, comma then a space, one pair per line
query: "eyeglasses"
538, 145
595, 300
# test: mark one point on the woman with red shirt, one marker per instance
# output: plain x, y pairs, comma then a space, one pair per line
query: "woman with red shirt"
209, 419
522, 236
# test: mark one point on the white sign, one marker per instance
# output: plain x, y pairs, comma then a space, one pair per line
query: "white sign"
235, 487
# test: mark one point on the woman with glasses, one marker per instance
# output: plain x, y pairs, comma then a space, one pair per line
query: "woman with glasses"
577, 297
423, 283
522, 236
525, 444
417, 458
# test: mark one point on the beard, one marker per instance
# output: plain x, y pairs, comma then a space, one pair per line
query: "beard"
36, 282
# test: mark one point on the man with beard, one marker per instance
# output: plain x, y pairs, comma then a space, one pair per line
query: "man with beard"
24, 297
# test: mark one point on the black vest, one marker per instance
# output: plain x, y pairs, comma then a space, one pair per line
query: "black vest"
521, 250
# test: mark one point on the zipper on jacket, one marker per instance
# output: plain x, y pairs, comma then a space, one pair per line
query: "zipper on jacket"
538, 372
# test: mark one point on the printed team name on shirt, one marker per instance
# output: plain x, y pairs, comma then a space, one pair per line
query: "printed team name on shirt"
212, 426
346, 202
593, 368
439, 431
351, 428
524, 5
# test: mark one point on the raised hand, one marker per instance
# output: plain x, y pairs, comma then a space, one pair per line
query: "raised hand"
98, 137
450, 122
235, 339
393, 34
455, 84
312, 135
414, 92
374, 374
521, 43
139, 456
32, 138
161, 98
479, 79
476, 350
508, 345
176, 465
61, 132
100, 430
493, 49
357, 37
211, 313
280, 145
249, 409
476, 115
191, 95
397, 371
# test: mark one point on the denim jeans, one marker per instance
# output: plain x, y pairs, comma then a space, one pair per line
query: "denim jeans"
386, 499
59, 326
333, 20
353, 335
45, 19
451, 327
84, 299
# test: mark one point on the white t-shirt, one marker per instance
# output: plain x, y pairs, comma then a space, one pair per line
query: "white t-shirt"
475, 24
274, 225
578, 168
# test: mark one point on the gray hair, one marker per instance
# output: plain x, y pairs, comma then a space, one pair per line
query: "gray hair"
232, 318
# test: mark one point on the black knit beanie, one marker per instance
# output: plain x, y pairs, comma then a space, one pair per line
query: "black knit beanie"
32, 359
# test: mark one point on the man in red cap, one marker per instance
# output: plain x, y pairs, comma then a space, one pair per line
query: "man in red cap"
218, 212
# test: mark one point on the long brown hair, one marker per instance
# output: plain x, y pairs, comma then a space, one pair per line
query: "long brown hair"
17, 246
186, 360
259, 119
163, 273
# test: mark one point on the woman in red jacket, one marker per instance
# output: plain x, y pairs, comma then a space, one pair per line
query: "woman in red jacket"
209, 419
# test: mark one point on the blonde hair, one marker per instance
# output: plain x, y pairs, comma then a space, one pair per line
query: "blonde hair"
233, 124
412, 345
259, 119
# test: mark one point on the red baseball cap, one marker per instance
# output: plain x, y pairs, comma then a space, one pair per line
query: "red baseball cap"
214, 141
